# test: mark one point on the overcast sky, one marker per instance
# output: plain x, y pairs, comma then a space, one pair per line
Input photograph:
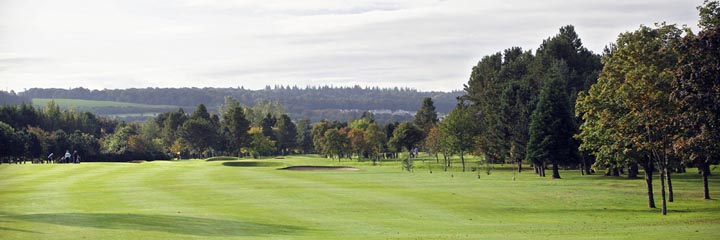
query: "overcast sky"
421, 44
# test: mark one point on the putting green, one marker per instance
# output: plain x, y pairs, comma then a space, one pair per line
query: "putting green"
251, 199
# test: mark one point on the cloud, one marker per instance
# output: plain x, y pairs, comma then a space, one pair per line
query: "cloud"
424, 44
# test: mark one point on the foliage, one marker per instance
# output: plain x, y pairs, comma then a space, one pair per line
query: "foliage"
696, 89
314, 103
552, 125
260, 144
374, 139
504, 89
426, 117
335, 143
304, 140
406, 136
286, 134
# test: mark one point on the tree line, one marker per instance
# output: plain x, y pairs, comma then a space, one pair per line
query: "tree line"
650, 101
314, 103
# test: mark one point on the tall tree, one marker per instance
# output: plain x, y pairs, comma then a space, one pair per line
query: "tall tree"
237, 125
200, 112
318, 135
304, 139
407, 136
374, 139
552, 125
334, 143
7, 143
460, 130
199, 131
697, 91
433, 142
267, 124
286, 134
426, 117
634, 87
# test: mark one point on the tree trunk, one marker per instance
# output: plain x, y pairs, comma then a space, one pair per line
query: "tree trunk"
542, 170
705, 167
647, 167
437, 159
519, 163
632, 170
615, 171
462, 159
662, 191
669, 183
587, 169
556, 172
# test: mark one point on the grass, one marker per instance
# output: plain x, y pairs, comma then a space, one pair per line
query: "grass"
250, 199
64, 102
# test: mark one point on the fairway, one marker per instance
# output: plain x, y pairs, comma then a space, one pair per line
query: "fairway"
251, 199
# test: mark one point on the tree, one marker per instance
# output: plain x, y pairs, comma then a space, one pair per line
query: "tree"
504, 88
335, 143
237, 125
199, 131
260, 144
426, 117
200, 112
318, 135
361, 123
357, 142
552, 125
433, 142
696, 90
267, 124
709, 15
407, 136
170, 124
460, 130
286, 134
304, 140
630, 102
374, 140
7, 141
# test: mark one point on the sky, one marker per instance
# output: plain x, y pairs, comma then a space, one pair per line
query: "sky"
429, 45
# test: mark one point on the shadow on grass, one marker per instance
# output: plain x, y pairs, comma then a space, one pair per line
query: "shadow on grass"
17, 230
160, 223
252, 164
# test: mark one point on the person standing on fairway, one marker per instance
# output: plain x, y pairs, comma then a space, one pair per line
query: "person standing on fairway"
67, 156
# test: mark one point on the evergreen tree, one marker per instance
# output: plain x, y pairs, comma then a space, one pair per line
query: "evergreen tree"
426, 117
236, 124
267, 124
552, 125
286, 134
304, 139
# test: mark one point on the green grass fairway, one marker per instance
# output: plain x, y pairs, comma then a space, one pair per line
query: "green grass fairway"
251, 199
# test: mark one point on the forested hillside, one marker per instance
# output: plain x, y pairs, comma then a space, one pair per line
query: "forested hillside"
315, 103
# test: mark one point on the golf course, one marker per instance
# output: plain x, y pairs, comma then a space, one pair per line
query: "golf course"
263, 198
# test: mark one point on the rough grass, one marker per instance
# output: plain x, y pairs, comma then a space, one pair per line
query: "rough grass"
250, 199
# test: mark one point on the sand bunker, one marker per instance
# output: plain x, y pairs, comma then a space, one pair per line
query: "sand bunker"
319, 168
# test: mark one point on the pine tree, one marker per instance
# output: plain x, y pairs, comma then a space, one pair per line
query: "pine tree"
552, 125
426, 117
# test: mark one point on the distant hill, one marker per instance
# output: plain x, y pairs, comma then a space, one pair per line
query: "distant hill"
11, 98
315, 103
